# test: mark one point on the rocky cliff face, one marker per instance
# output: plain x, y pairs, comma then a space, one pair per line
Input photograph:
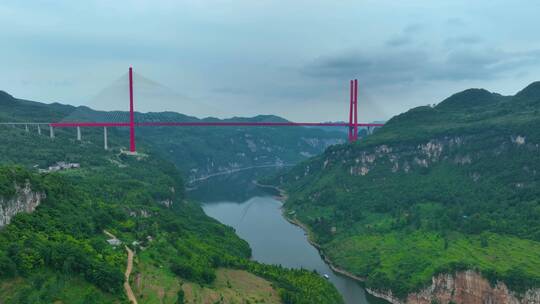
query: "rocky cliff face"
25, 200
467, 287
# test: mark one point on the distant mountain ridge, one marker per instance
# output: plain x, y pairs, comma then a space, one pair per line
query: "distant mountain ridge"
196, 151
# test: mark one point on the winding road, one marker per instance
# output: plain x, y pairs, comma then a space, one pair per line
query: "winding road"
129, 268
236, 170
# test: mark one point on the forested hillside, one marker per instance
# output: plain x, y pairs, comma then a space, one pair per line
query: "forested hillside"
59, 253
436, 190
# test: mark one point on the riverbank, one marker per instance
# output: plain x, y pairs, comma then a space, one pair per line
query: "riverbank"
309, 234
283, 196
379, 295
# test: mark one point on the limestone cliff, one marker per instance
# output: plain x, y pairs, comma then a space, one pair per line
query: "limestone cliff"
24, 200
467, 287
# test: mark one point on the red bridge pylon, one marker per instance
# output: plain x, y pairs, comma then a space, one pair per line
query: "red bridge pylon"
353, 112
131, 114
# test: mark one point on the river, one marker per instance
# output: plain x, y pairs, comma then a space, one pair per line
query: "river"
256, 216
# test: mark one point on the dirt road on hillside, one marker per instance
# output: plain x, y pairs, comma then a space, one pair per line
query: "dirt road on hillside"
129, 267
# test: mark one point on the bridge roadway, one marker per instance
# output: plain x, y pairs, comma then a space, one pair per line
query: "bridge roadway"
212, 124
132, 125
192, 124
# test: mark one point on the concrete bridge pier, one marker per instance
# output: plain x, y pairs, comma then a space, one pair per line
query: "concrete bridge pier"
38, 129
51, 130
26, 128
105, 144
78, 133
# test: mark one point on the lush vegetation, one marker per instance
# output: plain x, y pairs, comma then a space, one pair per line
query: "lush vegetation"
438, 189
59, 252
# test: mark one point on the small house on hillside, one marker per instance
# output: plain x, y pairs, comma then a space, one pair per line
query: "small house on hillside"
114, 242
60, 166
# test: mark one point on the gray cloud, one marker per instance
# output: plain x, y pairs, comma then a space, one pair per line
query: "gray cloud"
482, 64
406, 35
373, 69
396, 67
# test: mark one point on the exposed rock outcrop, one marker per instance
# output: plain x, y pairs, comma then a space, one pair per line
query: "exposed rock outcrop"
24, 200
466, 287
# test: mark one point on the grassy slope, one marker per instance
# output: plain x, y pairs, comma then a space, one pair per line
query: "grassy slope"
153, 283
233, 286
397, 229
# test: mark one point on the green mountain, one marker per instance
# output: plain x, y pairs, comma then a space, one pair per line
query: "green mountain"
436, 190
63, 229
196, 151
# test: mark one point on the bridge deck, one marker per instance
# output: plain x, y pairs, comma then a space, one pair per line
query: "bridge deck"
211, 124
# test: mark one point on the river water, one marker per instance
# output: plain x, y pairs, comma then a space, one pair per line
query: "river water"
256, 216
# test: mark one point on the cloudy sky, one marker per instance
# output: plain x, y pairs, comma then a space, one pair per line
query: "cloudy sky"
289, 57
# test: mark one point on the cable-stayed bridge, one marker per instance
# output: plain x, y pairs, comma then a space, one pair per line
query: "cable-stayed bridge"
135, 120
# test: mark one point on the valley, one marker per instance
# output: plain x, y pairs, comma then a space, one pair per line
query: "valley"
269, 152
408, 213
409, 205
